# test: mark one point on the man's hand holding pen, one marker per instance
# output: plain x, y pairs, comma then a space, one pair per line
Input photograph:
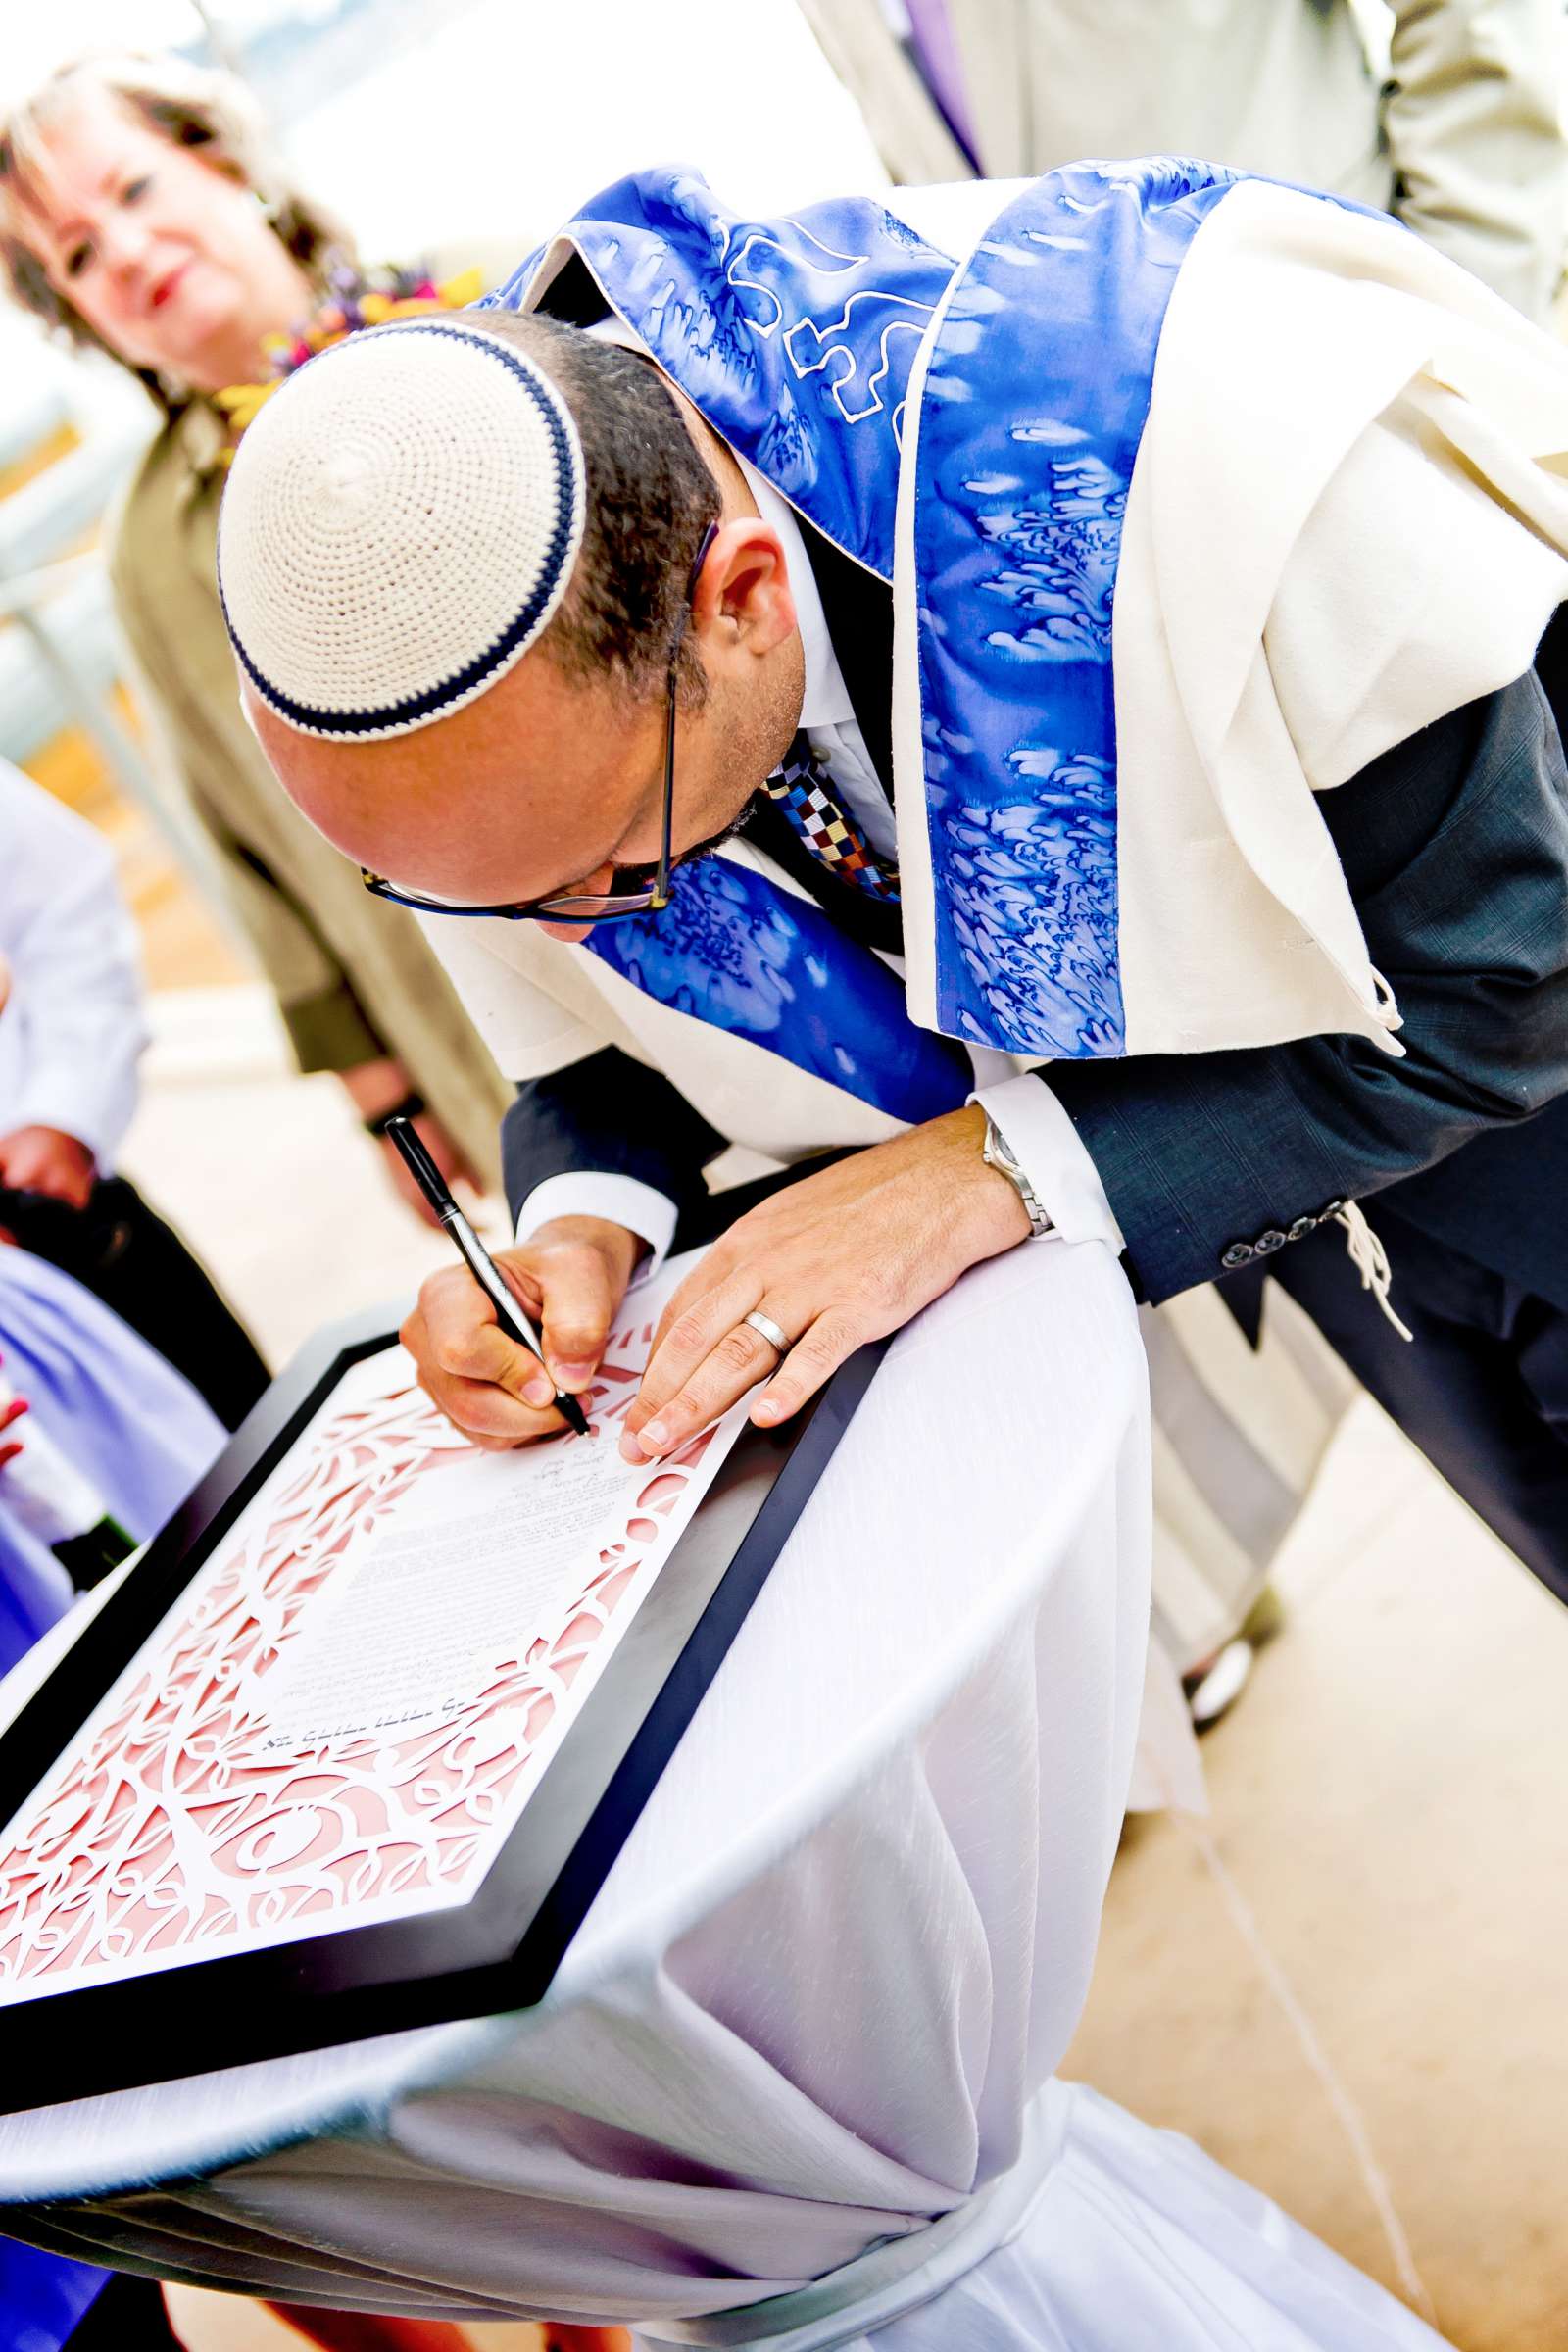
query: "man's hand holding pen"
832, 1260
569, 1279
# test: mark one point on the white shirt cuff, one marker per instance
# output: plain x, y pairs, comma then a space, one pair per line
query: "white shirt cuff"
51, 1100
619, 1200
1052, 1153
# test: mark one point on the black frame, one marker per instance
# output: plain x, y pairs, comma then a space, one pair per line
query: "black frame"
499, 1951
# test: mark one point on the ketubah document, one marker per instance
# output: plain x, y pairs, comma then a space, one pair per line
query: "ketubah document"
344, 1715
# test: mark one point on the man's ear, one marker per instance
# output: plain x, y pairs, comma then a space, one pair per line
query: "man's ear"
742, 596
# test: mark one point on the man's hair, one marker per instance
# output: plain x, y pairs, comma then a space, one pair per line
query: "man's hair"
650, 497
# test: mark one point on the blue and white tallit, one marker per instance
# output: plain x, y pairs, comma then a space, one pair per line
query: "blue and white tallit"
1091, 450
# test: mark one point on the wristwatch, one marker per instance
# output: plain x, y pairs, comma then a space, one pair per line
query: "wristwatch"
995, 1154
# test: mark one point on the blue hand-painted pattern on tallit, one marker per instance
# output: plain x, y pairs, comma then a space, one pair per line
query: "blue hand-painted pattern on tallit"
795, 337
43, 2297
1035, 402
736, 952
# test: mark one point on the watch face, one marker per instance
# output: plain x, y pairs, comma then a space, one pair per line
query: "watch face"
998, 1157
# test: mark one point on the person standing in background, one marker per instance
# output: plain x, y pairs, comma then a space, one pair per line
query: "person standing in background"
72, 1032
144, 215
1461, 138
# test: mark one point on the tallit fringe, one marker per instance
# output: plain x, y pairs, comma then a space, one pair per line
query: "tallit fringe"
1388, 1004
1371, 1261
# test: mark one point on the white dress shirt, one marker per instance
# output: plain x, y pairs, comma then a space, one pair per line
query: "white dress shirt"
72, 1029
1037, 1131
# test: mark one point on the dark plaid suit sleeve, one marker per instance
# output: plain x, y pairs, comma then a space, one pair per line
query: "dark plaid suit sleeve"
1455, 846
614, 1116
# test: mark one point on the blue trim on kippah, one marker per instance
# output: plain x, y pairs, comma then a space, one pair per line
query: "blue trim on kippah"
436, 697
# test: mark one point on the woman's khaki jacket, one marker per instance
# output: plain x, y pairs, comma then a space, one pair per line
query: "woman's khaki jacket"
353, 977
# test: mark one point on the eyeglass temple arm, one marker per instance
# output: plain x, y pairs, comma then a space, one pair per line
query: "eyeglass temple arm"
660, 897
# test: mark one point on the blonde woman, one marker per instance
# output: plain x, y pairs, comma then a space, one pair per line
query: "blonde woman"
142, 215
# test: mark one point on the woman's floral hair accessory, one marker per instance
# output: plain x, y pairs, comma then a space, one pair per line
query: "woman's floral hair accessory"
356, 299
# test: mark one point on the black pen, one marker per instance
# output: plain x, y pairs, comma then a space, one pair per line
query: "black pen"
477, 1258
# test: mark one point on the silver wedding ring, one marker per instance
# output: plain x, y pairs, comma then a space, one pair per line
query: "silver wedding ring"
776, 1339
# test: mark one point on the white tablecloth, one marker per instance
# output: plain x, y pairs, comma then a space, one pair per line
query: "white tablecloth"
818, 2003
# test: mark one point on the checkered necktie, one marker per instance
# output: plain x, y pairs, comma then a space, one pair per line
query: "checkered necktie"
803, 790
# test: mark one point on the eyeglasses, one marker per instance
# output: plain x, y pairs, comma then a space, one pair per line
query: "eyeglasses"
634, 890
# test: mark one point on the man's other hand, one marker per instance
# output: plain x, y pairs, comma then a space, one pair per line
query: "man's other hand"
377, 1087
844, 1256
569, 1279
42, 1159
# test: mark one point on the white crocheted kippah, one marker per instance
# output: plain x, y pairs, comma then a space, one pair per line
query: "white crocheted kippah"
399, 524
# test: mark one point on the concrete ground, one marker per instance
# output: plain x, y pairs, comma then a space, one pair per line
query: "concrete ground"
1392, 1853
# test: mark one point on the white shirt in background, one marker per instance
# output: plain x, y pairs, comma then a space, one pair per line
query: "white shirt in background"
72, 1028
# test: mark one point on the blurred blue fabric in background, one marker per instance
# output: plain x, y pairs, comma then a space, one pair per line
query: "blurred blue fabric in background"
141, 1433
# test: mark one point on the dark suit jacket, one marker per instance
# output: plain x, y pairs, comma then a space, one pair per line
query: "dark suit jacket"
1456, 847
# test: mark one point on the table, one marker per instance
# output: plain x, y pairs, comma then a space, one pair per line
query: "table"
800, 2052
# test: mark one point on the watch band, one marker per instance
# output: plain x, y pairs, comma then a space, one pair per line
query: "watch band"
995, 1154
